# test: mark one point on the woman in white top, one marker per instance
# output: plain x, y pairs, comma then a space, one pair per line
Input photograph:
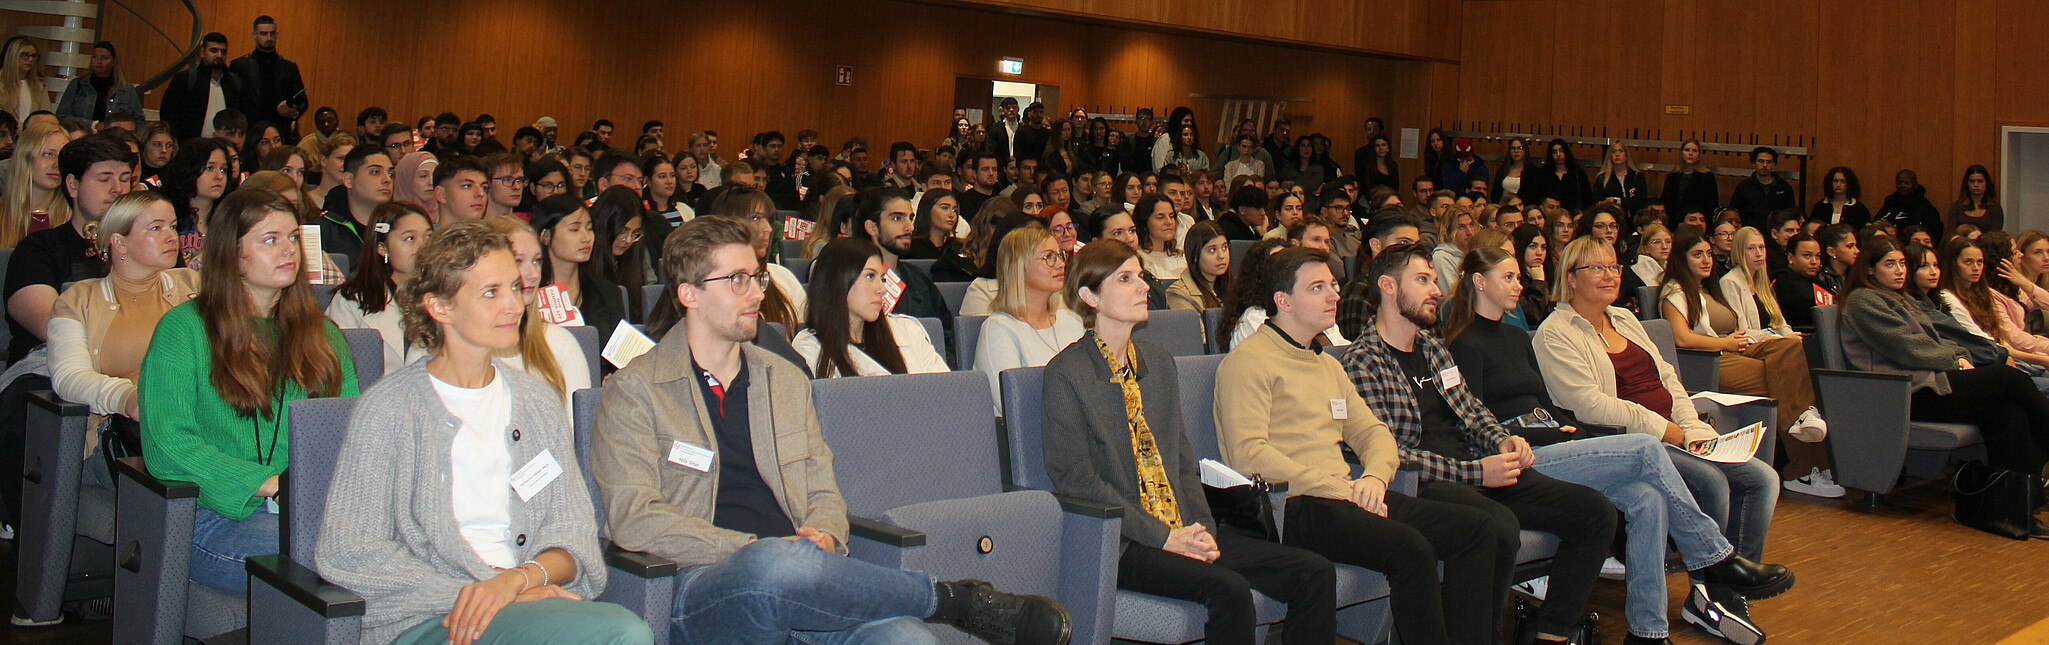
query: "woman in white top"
369, 299
1029, 326
1969, 298
1157, 248
545, 349
1652, 254
850, 334
421, 520
21, 78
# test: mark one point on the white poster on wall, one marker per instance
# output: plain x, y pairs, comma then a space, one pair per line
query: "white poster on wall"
1409, 139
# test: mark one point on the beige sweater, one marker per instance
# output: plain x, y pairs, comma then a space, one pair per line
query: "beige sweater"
1276, 417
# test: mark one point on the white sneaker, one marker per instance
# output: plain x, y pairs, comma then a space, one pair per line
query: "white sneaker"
1612, 569
1818, 482
1535, 588
6, 531
1809, 428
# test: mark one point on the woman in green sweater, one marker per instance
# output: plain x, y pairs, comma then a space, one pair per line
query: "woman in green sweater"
220, 373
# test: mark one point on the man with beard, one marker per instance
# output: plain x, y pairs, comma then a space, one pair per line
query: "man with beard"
1406, 377
276, 93
193, 96
885, 219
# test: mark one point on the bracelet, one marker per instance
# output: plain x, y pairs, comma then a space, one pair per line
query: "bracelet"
544, 570
524, 580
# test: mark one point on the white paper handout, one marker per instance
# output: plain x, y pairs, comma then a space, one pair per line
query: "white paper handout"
1217, 475
311, 259
1724, 399
1738, 446
626, 344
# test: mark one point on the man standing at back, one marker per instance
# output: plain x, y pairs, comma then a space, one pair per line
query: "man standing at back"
276, 93
709, 453
193, 96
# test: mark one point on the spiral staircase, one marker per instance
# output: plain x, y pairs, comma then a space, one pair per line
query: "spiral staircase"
67, 47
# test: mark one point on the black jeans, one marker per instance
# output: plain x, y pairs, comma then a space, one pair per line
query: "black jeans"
2006, 407
1304, 580
1405, 546
1581, 517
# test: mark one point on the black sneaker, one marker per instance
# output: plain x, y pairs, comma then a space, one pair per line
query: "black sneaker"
1753, 580
1722, 613
977, 608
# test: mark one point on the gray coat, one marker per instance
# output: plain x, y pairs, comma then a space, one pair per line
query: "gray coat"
390, 533
1088, 438
1886, 334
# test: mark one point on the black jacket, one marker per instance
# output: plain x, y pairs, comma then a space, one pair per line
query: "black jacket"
1855, 214
1911, 210
270, 79
185, 95
1798, 295
1574, 192
1685, 192
1635, 195
1757, 201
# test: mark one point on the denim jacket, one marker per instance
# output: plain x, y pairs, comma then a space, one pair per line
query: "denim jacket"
79, 98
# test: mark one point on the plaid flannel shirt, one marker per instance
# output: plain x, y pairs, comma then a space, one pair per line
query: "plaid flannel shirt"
1355, 308
1374, 371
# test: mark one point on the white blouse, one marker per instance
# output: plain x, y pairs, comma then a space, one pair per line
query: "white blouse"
576, 369
389, 323
920, 355
1010, 343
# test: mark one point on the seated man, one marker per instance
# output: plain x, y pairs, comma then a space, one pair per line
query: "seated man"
1283, 407
1406, 377
709, 454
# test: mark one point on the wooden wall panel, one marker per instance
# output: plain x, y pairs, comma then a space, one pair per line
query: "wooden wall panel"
1408, 28
739, 68
1878, 84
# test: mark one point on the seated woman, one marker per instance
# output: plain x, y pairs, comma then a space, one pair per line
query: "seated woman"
932, 237
568, 234
980, 299
1534, 250
545, 350
1029, 325
1966, 296
1941, 294
1243, 313
34, 197
1157, 224
1110, 392
1652, 254
1209, 274
1598, 363
100, 328
368, 300
783, 297
220, 374
428, 542
1884, 331
1760, 354
1499, 366
618, 219
850, 334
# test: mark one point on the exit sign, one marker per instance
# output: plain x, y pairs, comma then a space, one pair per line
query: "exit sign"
1012, 66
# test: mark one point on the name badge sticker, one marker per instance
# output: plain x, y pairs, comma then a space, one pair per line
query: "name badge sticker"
535, 475
689, 456
1451, 378
1338, 410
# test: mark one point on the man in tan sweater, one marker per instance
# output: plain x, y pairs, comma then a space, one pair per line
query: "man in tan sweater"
1282, 409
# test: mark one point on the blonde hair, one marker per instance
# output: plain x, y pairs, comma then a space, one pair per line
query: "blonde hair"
1573, 253
1608, 164
21, 172
11, 80
1013, 261
120, 217
1760, 283
533, 330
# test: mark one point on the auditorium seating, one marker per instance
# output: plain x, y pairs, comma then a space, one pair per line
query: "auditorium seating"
366, 349
158, 603
65, 537
642, 582
1872, 438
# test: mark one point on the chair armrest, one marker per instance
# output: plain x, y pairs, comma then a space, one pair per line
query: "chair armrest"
1276, 487
71, 437
882, 533
326, 599
1086, 508
132, 469
644, 565
50, 401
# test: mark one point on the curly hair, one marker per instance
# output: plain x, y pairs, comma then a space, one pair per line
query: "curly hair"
444, 263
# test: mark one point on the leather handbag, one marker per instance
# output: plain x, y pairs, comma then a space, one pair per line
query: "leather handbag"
1995, 500
1247, 509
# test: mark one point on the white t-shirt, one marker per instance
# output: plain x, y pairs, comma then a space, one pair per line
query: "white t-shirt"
920, 356
480, 468
576, 369
1009, 343
1250, 322
215, 102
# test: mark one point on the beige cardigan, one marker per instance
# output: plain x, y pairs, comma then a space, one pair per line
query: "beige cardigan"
1581, 377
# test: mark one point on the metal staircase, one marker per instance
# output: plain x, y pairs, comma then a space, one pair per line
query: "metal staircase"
67, 48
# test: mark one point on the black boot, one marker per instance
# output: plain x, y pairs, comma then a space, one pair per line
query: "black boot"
1723, 613
1633, 639
2038, 530
1752, 580
976, 607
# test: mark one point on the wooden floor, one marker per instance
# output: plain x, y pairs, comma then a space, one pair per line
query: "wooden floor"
1905, 574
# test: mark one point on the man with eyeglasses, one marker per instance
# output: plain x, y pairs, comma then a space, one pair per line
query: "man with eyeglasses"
396, 140
276, 93
708, 453
366, 184
1758, 195
459, 189
194, 96
508, 183
442, 139
615, 168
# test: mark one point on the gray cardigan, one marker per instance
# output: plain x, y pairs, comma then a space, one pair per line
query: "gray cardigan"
1886, 334
1087, 437
390, 533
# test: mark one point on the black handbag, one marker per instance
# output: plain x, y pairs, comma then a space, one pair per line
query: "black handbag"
1246, 509
1995, 500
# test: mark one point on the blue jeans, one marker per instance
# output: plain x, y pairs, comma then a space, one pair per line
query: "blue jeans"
220, 545
1636, 475
1739, 497
778, 591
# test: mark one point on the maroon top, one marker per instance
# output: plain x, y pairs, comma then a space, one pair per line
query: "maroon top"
1636, 380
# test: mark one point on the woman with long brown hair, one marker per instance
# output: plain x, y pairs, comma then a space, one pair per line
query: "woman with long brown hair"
1209, 270
369, 300
221, 372
545, 350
